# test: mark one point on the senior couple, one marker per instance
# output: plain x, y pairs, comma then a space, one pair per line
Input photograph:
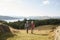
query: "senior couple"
31, 25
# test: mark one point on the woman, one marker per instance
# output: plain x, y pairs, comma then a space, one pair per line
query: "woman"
32, 26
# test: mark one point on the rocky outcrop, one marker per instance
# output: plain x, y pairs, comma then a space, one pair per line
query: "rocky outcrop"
4, 28
57, 33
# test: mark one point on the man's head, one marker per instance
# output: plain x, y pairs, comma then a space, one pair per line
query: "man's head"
26, 21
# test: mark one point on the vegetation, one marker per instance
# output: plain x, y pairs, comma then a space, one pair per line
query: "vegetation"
4, 36
20, 24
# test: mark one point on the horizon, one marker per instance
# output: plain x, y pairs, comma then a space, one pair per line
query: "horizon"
28, 8
29, 16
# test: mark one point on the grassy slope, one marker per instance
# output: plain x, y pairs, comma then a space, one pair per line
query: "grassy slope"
46, 27
42, 34
22, 35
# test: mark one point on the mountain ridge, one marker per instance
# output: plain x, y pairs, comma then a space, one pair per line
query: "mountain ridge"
30, 17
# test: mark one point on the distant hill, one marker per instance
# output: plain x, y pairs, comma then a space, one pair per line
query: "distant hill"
30, 17
38, 17
56, 17
7, 18
42, 17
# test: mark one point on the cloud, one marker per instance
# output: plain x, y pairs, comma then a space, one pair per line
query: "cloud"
45, 3
11, 7
7, 0
15, 8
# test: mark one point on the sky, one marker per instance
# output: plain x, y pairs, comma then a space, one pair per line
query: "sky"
30, 8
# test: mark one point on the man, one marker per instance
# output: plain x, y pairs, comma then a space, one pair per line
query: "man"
27, 26
32, 26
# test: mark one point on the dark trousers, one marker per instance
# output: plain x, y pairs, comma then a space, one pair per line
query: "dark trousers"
27, 29
31, 30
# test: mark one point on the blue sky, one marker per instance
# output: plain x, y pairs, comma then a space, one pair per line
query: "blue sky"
30, 7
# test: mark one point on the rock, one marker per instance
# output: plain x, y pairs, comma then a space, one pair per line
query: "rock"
57, 33
4, 28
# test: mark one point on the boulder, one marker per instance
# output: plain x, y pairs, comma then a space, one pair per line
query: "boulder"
4, 28
57, 33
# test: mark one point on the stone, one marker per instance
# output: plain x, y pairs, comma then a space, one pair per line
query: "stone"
4, 28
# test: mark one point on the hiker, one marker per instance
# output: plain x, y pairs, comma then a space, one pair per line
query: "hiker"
27, 26
32, 26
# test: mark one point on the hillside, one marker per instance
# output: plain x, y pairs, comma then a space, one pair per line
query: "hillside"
46, 27
40, 33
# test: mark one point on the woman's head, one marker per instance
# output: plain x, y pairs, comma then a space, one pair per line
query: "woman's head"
32, 22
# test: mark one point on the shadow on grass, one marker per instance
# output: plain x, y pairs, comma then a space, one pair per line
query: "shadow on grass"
5, 36
42, 34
